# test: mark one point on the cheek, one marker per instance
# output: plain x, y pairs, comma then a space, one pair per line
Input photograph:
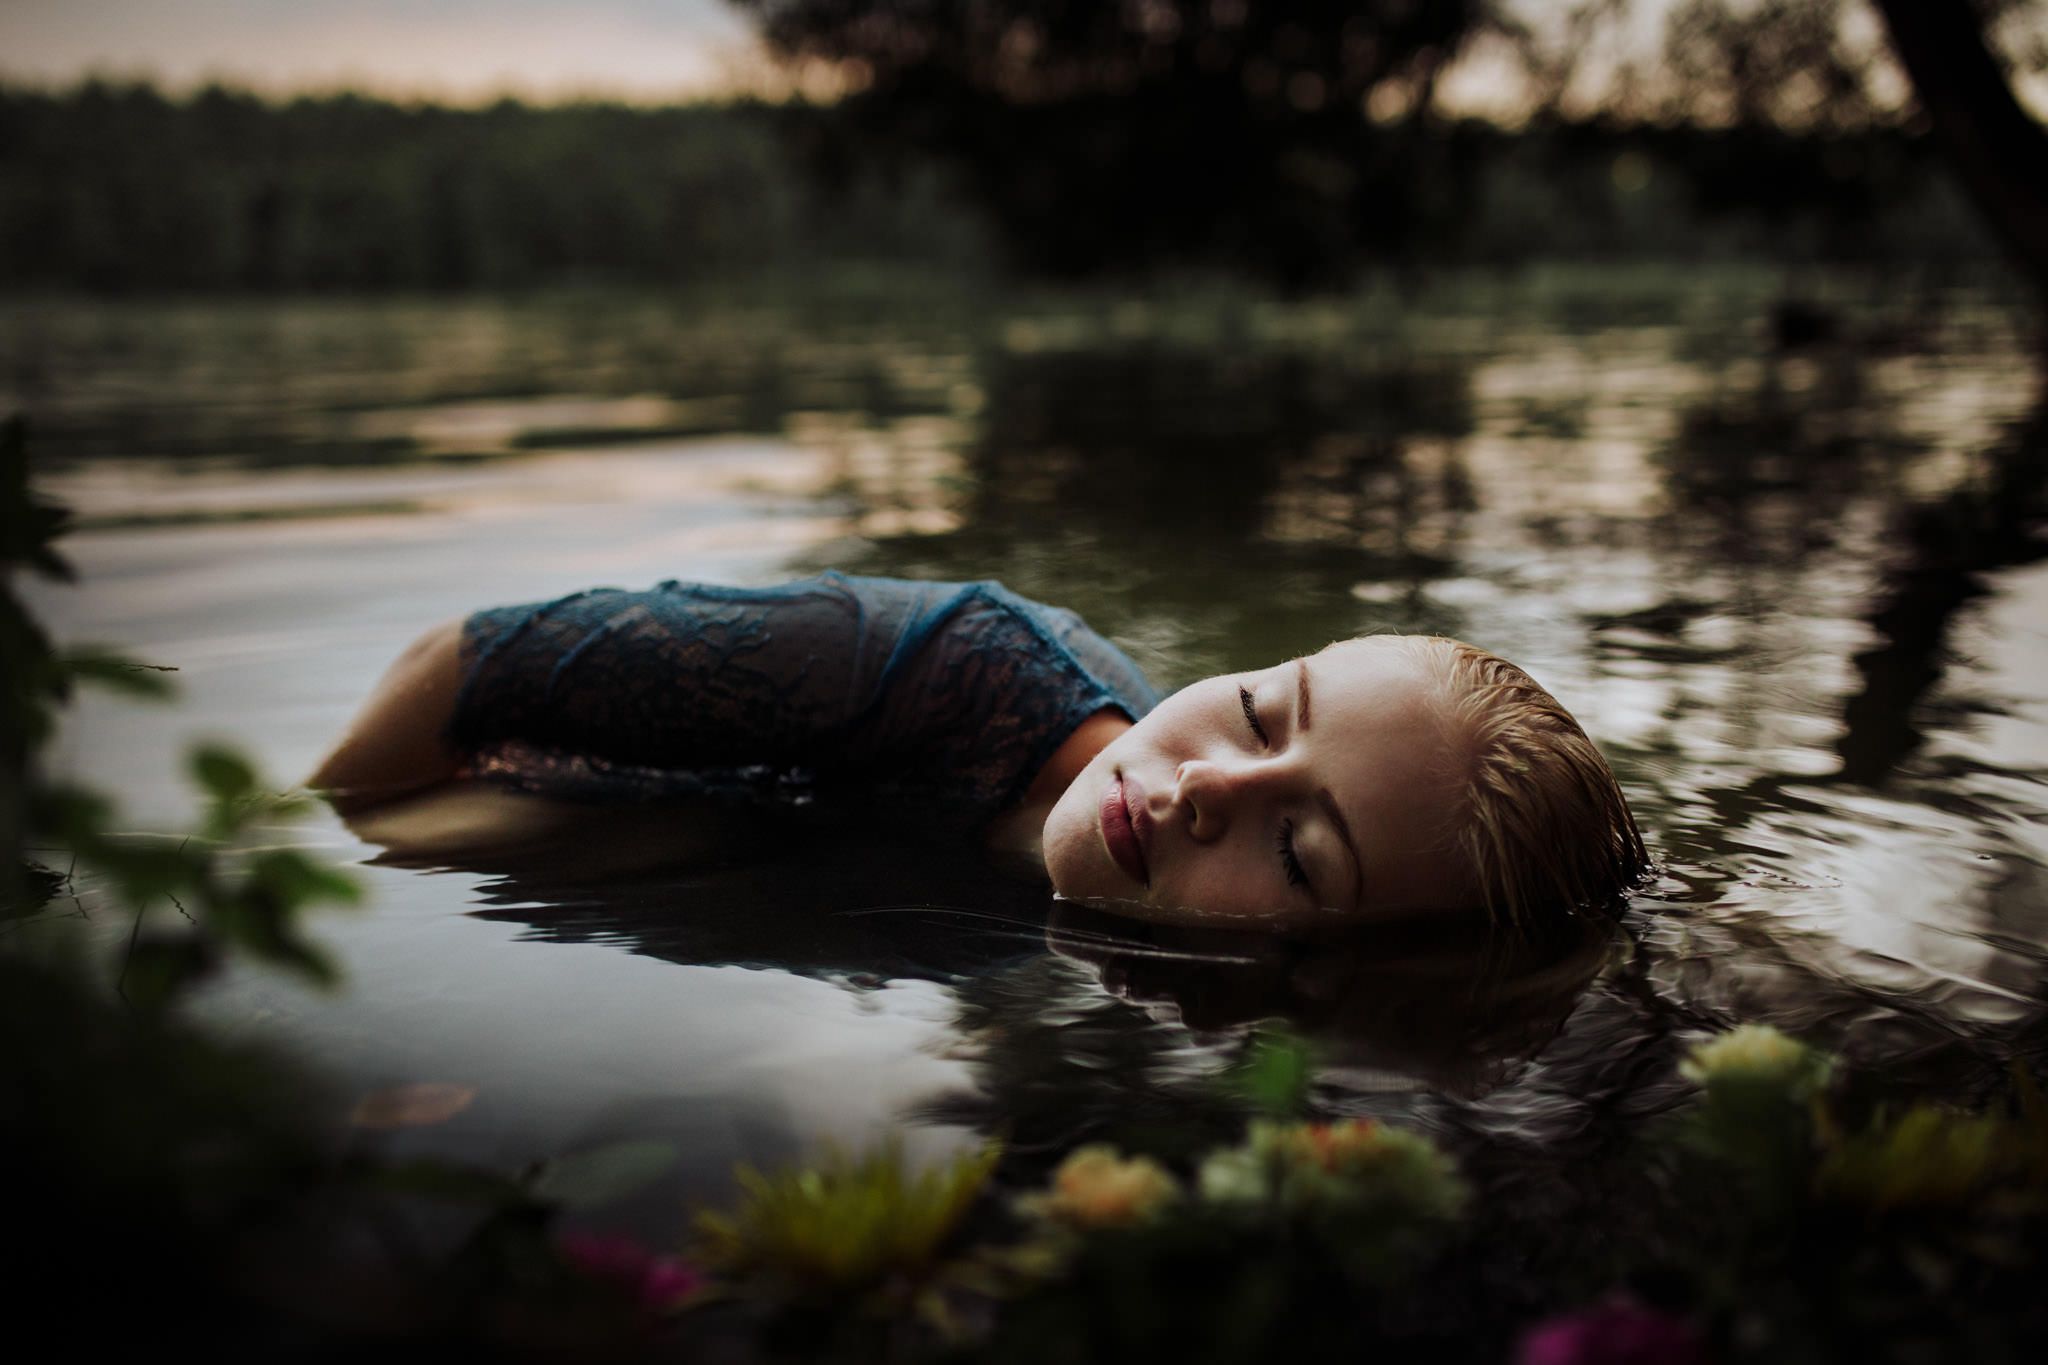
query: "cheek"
1169, 732
1057, 839
1068, 841
1241, 882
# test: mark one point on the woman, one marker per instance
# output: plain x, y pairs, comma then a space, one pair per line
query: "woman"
1380, 778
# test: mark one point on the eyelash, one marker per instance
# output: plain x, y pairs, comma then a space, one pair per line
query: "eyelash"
1251, 717
1289, 863
1296, 876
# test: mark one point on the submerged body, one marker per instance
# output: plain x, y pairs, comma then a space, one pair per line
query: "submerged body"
1345, 787
934, 704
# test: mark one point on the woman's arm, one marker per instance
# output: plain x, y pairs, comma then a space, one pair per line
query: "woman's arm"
398, 742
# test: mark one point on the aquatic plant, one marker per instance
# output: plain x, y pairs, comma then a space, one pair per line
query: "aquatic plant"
1276, 1075
649, 1281
1098, 1187
1356, 1164
1765, 1108
228, 898
1928, 1156
134, 1128
1754, 1055
1757, 1109
1617, 1331
1855, 1229
845, 1227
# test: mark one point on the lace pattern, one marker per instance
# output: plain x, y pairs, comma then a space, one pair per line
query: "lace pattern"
937, 701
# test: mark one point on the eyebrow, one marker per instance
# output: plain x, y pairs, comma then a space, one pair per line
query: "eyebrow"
1329, 802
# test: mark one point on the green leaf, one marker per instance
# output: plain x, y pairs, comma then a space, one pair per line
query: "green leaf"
28, 525
844, 1224
118, 674
146, 871
225, 774
256, 921
429, 1178
602, 1175
297, 880
1276, 1075
160, 968
71, 816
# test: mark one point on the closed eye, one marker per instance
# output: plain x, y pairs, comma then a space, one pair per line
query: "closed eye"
1290, 864
1251, 718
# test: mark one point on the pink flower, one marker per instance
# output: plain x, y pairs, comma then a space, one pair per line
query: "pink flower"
1619, 1331
658, 1284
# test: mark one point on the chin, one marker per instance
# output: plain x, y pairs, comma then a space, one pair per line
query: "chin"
1077, 864
1068, 833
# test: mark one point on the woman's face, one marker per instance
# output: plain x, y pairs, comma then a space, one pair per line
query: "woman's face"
1310, 793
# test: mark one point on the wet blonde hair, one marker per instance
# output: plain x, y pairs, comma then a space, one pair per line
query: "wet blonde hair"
1541, 827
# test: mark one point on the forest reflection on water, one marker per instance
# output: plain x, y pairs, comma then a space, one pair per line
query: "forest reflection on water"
1797, 596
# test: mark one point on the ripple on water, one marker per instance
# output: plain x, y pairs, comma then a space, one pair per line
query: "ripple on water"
1801, 606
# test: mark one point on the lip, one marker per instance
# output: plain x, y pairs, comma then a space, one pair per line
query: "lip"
1121, 835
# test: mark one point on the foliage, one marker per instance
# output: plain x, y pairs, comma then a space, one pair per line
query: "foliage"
1766, 1110
850, 1227
1831, 1240
129, 1126
650, 1282
141, 1137
1757, 1110
1299, 141
121, 188
1616, 1332
1360, 1166
1098, 1187
229, 899
1276, 1075
1929, 1157
1294, 1232
1892, 1232
117, 187
1277, 137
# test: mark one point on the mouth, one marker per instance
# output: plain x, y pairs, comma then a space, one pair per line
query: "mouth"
1123, 835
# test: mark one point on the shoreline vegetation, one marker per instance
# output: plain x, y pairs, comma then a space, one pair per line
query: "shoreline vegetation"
121, 188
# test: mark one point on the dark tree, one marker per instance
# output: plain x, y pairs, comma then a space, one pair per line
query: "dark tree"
1999, 154
1281, 137
1764, 69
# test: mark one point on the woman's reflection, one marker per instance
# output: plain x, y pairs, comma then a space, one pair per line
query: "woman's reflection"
1449, 1004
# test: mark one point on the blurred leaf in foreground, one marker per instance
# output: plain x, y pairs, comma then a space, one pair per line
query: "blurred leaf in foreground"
845, 1225
412, 1106
603, 1175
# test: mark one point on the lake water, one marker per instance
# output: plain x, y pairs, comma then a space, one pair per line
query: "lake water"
1801, 600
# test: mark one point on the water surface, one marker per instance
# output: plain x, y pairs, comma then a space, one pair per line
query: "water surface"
1799, 599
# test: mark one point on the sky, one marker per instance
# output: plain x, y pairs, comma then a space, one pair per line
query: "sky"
465, 51
459, 50
473, 51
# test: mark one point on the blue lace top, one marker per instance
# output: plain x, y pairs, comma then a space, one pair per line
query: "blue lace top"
942, 698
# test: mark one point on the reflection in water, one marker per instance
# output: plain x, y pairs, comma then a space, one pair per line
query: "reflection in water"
1952, 543
1445, 1006
1094, 469
1799, 600
856, 906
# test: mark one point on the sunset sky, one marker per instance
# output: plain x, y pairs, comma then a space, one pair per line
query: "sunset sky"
470, 51
449, 49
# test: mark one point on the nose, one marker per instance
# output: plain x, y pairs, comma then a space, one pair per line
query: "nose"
1210, 794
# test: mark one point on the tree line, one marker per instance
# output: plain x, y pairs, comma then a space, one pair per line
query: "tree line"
123, 187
